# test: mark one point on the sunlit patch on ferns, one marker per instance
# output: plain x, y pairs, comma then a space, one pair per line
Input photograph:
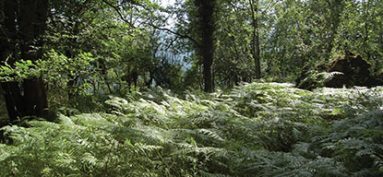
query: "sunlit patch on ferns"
259, 129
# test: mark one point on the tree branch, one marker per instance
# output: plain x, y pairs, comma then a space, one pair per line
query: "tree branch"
184, 36
118, 12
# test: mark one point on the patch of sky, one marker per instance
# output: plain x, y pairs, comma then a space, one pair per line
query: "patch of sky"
163, 51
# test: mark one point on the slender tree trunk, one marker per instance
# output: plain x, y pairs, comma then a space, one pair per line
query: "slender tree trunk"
27, 18
366, 30
206, 49
256, 49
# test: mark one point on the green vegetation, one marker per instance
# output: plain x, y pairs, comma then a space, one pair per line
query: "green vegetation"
189, 88
260, 129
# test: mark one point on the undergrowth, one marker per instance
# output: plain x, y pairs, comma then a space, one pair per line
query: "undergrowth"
258, 129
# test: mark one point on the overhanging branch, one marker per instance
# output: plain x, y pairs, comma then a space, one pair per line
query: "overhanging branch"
184, 36
118, 12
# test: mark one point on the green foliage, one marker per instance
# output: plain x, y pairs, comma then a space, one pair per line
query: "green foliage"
259, 129
106, 58
22, 69
293, 34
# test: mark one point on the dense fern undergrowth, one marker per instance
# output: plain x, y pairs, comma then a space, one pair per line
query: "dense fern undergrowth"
258, 129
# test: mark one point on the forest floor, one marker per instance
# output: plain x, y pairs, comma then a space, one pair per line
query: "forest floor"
257, 129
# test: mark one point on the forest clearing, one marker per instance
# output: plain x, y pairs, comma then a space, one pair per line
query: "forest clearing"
190, 88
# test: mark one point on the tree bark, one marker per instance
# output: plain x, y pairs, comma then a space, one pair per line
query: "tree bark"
8, 47
25, 22
206, 31
256, 49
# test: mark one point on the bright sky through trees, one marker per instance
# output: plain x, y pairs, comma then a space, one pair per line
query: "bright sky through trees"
167, 2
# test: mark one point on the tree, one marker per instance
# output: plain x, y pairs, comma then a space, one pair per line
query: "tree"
21, 29
256, 50
206, 28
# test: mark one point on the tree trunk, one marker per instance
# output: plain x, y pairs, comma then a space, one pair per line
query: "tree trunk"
27, 18
256, 49
206, 48
12, 91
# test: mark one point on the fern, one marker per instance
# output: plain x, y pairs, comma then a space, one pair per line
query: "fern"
258, 129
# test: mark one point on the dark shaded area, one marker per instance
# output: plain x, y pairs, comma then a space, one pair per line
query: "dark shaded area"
206, 27
350, 70
24, 24
356, 71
